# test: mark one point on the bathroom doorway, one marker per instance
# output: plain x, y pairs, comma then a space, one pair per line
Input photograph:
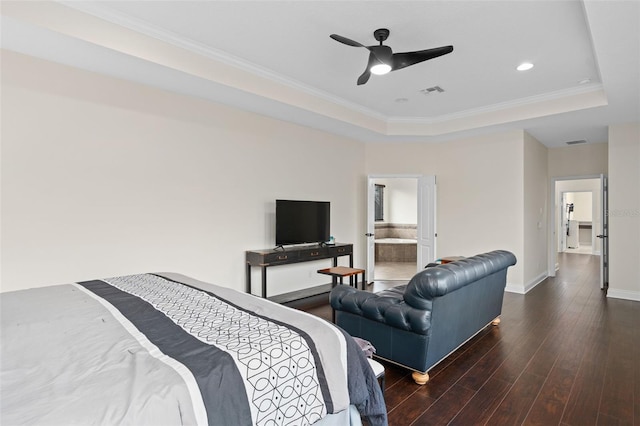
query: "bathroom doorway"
401, 226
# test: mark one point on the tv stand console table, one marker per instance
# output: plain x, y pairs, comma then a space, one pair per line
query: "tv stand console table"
276, 257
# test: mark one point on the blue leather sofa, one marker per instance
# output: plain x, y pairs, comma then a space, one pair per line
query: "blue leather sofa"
419, 324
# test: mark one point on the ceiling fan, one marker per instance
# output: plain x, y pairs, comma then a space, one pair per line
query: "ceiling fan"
382, 59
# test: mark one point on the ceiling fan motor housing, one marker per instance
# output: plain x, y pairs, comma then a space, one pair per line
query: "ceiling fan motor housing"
381, 34
383, 54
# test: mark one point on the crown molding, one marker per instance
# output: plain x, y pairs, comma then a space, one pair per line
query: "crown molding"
150, 30
522, 102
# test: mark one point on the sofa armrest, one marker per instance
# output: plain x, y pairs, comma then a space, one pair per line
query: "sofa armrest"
349, 299
387, 307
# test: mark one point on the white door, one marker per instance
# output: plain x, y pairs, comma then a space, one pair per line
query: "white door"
604, 237
564, 223
426, 221
370, 235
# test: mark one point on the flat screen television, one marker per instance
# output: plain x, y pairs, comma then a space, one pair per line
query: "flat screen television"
301, 222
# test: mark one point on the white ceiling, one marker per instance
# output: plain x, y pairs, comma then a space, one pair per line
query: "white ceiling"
276, 58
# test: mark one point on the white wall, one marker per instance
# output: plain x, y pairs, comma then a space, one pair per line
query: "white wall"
102, 177
582, 206
535, 212
578, 160
624, 211
400, 200
480, 190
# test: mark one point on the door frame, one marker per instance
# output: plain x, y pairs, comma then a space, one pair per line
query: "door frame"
370, 222
552, 218
604, 248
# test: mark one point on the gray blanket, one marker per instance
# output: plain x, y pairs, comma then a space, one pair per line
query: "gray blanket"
151, 349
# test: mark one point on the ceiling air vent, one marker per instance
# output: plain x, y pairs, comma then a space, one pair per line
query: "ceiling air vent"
431, 90
576, 142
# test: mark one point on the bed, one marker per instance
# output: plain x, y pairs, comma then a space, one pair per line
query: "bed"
166, 349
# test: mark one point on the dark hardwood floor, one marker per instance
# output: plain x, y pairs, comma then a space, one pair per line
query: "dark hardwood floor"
564, 354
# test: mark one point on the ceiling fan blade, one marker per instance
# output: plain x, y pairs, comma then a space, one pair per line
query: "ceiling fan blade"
372, 55
402, 60
346, 41
364, 77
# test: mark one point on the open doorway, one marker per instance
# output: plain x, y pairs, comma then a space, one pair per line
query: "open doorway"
578, 223
401, 235
395, 228
580, 220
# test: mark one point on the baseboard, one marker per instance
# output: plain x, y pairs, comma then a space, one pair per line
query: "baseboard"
524, 289
623, 294
514, 288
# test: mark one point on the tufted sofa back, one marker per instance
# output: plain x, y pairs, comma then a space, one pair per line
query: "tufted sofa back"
438, 281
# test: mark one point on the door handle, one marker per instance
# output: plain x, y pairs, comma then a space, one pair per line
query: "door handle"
601, 236
369, 234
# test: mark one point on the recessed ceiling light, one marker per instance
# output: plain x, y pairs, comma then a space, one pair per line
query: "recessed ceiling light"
525, 66
402, 100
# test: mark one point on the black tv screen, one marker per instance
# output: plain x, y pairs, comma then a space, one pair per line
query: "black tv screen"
299, 222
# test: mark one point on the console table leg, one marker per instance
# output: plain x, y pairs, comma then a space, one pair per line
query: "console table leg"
264, 282
248, 280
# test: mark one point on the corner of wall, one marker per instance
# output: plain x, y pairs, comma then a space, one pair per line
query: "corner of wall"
524, 289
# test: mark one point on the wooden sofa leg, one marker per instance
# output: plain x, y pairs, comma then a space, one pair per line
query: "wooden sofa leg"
495, 321
420, 378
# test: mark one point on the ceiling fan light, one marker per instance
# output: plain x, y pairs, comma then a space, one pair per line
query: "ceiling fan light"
525, 66
380, 69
